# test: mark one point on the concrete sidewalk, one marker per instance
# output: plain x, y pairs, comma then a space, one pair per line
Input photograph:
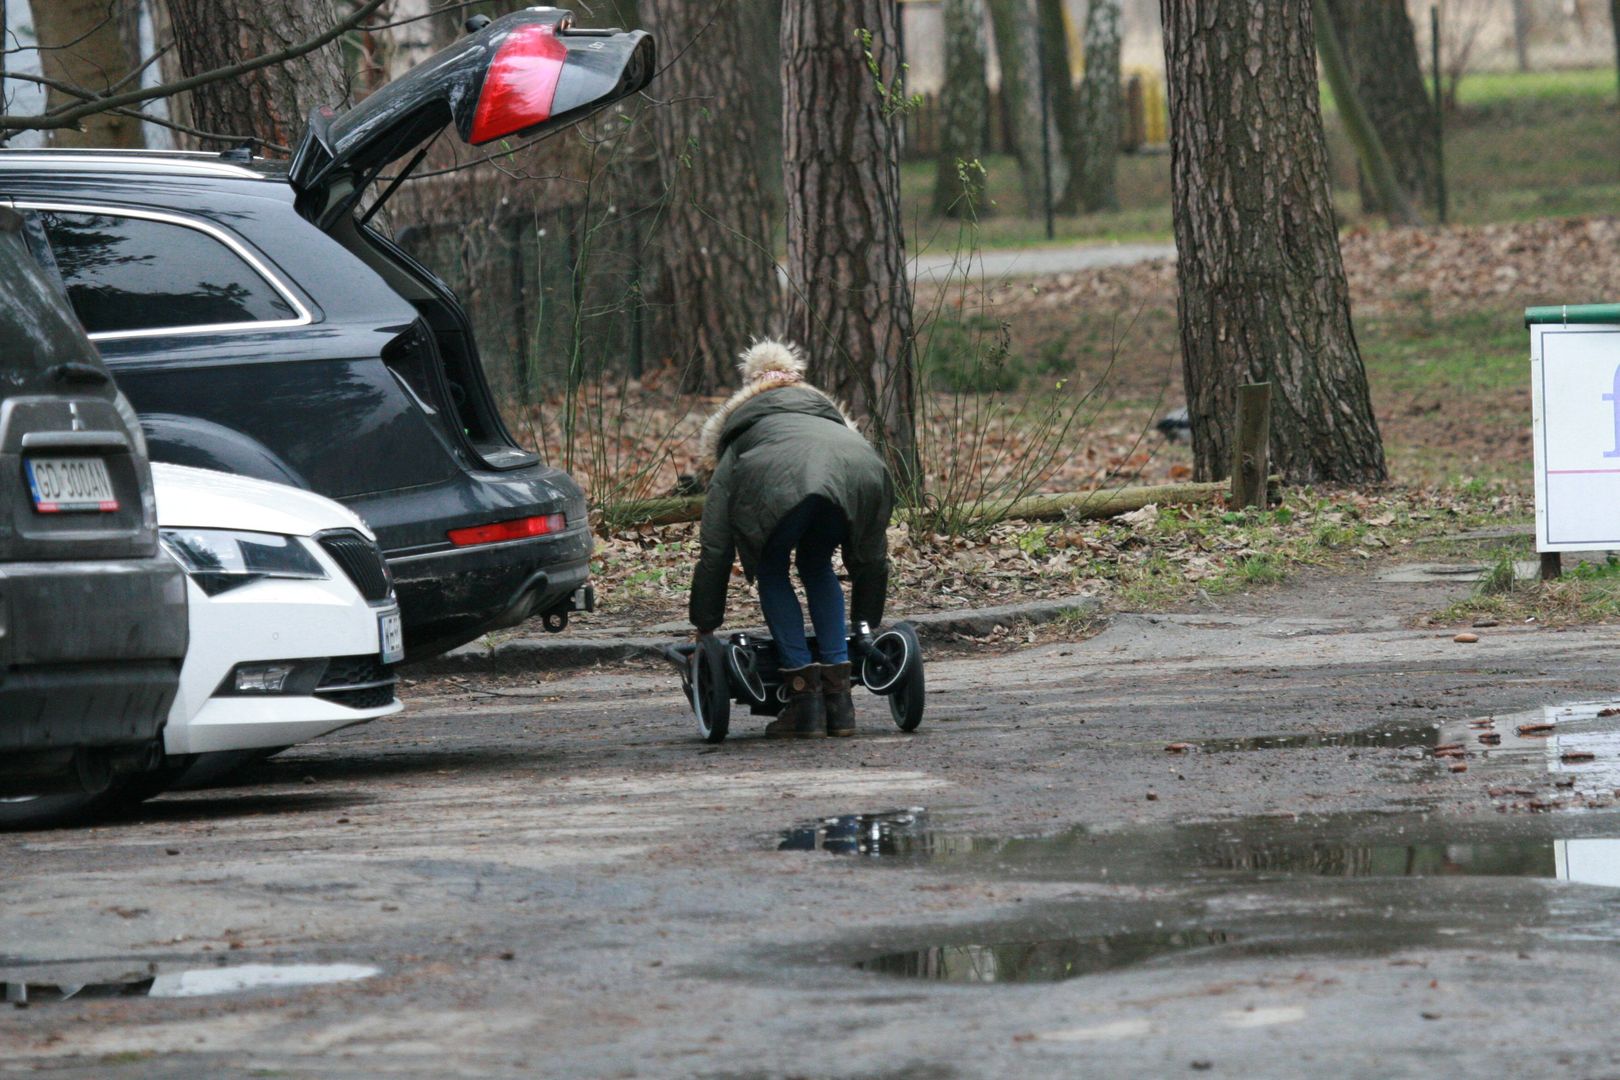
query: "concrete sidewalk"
556, 651
1035, 262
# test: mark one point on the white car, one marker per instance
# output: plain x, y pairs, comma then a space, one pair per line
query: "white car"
294, 626
294, 631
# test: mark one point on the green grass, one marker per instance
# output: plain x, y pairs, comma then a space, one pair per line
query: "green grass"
1143, 216
1541, 144
1494, 87
1589, 592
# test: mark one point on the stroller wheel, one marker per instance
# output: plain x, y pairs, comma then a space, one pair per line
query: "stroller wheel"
711, 690
906, 700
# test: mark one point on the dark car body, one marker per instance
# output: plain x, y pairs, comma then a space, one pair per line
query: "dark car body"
261, 326
93, 619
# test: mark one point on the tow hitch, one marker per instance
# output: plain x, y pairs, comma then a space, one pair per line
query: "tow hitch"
555, 619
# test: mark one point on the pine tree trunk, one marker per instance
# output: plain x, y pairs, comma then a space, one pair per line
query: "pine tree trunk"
1380, 47
716, 267
964, 101
1102, 108
271, 104
83, 45
1374, 159
1018, 55
1521, 33
763, 58
1263, 296
850, 304
1063, 105
1614, 22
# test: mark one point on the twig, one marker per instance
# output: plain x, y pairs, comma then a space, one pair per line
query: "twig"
70, 115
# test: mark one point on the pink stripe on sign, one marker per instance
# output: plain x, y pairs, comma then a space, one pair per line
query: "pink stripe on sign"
1581, 472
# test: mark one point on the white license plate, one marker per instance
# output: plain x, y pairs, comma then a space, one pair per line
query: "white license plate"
392, 633
68, 485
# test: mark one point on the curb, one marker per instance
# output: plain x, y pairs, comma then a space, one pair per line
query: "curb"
561, 652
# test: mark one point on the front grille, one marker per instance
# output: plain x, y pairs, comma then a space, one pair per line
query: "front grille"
361, 560
358, 682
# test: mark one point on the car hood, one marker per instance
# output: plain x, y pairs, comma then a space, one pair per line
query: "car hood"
521, 74
190, 498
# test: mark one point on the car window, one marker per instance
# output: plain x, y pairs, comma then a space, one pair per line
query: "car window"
36, 328
129, 273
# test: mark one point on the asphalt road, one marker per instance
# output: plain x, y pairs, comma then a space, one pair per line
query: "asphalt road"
552, 877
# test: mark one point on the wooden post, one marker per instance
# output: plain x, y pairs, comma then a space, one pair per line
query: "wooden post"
1251, 445
1552, 565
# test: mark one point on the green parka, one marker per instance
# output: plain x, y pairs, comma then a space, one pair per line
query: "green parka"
772, 449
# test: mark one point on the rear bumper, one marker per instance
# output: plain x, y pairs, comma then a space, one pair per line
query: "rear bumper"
90, 652
113, 610
75, 706
450, 597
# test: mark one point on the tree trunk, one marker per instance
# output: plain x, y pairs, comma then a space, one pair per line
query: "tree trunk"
964, 101
1375, 166
717, 271
1102, 108
271, 104
1380, 48
1063, 104
1263, 296
1018, 55
1521, 33
82, 44
763, 60
1614, 22
850, 303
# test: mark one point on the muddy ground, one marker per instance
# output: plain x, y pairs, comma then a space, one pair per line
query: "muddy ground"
554, 877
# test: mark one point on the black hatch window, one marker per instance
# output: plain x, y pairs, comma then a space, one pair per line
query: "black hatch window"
127, 273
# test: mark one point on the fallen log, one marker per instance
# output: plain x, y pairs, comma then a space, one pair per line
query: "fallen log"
1069, 506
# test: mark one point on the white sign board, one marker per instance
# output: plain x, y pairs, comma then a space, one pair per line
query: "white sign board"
1575, 379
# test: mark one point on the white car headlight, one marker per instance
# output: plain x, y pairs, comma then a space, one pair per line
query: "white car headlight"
221, 559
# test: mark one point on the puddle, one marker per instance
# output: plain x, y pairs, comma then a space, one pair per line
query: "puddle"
1387, 736
1577, 745
198, 982
890, 833
1584, 861
1044, 961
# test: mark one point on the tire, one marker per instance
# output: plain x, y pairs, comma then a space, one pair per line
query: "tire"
894, 668
907, 701
711, 691
889, 659
51, 811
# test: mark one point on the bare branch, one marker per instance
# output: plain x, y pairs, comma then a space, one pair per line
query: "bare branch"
211, 136
69, 116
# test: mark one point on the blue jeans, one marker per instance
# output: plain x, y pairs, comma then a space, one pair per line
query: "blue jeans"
813, 529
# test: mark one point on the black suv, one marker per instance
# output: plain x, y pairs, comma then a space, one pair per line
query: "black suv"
92, 615
261, 326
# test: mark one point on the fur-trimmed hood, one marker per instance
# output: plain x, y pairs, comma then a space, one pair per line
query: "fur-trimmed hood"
766, 365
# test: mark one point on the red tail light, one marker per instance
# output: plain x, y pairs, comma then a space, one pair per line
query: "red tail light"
520, 84
516, 529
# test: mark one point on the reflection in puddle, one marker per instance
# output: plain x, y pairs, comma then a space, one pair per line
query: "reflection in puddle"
890, 833
1386, 736
1579, 745
1043, 961
1582, 861
198, 982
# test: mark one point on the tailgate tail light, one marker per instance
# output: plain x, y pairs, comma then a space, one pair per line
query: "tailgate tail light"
516, 529
521, 83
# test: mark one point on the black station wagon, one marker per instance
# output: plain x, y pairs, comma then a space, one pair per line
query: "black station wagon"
260, 324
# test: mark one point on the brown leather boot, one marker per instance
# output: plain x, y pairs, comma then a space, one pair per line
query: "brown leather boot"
804, 716
835, 699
